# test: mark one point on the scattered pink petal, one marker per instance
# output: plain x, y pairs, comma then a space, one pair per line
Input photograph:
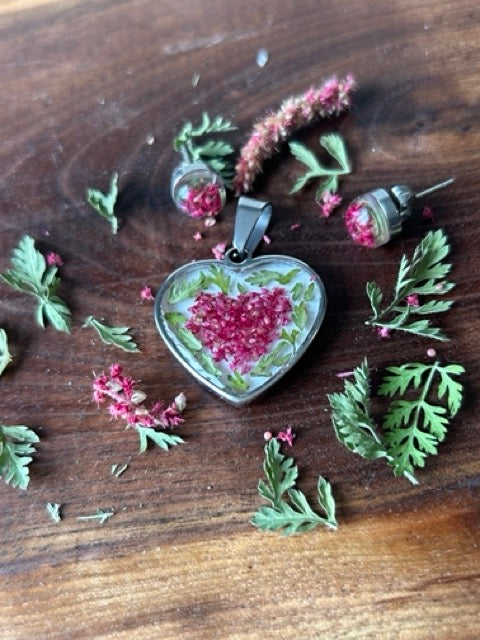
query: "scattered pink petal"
287, 436
267, 239
219, 250
209, 222
412, 300
295, 226
197, 236
146, 294
384, 332
53, 259
427, 213
344, 374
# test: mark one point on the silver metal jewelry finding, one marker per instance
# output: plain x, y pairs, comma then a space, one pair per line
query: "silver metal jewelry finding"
239, 324
373, 218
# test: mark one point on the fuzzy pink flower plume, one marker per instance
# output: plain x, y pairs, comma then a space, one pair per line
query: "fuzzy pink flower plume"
54, 259
127, 402
329, 99
328, 202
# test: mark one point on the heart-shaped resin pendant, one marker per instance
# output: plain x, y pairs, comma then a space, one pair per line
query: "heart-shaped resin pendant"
239, 324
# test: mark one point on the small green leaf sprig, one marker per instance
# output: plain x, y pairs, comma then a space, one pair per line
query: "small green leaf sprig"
104, 203
334, 144
291, 514
423, 275
30, 274
413, 425
116, 336
196, 145
16, 446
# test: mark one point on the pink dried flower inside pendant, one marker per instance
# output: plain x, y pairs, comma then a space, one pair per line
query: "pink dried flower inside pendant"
239, 330
203, 200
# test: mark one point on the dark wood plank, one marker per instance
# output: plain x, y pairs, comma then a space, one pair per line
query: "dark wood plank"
92, 88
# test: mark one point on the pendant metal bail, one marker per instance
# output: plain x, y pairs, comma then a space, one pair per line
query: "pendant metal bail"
251, 222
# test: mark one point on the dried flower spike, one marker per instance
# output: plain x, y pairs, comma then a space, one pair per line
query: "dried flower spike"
329, 99
127, 402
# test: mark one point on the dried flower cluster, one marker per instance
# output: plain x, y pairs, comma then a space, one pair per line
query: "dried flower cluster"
239, 330
127, 402
360, 225
203, 200
329, 99
328, 202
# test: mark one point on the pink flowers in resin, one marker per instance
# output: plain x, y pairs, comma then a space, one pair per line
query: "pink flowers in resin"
127, 402
329, 99
360, 225
203, 200
239, 330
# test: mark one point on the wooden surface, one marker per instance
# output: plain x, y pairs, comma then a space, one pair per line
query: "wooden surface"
85, 86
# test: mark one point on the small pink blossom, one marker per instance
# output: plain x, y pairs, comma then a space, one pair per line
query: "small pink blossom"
286, 436
267, 436
328, 202
384, 332
412, 300
267, 239
146, 294
54, 259
329, 99
204, 200
197, 236
219, 250
427, 213
431, 353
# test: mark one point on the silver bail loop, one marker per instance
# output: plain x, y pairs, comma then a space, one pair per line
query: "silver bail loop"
251, 222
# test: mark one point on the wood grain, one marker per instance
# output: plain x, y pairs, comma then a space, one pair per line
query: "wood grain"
85, 88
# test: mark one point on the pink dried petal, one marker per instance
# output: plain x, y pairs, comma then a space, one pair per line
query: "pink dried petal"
286, 436
197, 236
146, 294
53, 259
219, 250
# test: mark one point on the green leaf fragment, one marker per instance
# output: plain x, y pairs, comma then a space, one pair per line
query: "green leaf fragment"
299, 315
16, 447
104, 203
292, 515
186, 337
101, 515
53, 510
415, 427
423, 275
208, 364
160, 438
116, 336
265, 276
5, 355
175, 318
30, 274
219, 278
335, 146
184, 289
237, 381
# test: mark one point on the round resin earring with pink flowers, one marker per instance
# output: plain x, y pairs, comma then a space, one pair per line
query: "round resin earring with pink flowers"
198, 184
375, 217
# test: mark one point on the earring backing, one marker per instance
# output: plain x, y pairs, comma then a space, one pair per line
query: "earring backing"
375, 217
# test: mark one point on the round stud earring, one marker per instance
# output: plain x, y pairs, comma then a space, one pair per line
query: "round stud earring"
375, 217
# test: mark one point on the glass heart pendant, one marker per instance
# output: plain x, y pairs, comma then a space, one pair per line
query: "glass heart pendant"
239, 324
